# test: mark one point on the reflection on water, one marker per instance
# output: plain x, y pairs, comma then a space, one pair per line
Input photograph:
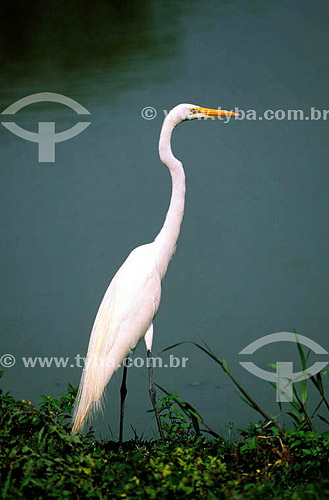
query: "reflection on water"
109, 42
252, 256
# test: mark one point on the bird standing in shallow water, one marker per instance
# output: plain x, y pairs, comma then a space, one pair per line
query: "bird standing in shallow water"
132, 299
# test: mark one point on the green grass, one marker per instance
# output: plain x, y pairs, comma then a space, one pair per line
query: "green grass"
39, 459
299, 411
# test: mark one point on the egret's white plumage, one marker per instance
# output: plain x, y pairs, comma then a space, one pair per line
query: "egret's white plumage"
132, 299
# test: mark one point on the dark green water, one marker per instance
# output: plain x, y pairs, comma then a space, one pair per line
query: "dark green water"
252, 258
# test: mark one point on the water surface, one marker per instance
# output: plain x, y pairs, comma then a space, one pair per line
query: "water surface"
252, 258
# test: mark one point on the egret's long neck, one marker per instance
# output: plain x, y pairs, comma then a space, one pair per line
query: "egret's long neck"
166, 240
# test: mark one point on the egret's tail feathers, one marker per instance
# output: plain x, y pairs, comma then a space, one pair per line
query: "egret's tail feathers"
97, 373
105, 354
93, 382
100, 364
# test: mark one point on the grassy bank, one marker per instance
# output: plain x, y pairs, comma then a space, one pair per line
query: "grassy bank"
40, 459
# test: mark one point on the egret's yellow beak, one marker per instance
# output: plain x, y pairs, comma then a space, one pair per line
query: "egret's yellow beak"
214, 112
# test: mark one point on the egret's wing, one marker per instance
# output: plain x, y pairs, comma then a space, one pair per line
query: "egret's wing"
123, 317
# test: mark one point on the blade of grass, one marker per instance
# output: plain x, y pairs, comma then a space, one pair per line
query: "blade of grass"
222, 363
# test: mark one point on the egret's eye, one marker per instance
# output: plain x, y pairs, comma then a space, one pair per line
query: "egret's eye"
194, 111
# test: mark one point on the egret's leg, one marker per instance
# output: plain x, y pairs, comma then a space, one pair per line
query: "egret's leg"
148, 341
123, 393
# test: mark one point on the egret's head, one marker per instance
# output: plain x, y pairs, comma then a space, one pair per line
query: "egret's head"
184, 112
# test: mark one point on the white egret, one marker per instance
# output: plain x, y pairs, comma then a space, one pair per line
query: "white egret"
132, 299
